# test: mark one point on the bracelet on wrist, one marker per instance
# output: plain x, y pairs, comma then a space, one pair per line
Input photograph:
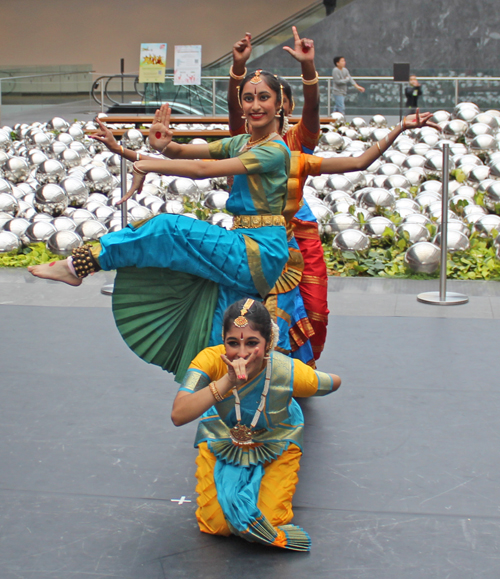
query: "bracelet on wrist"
237, 76
378, 146
137, 170
215, 393
312, 81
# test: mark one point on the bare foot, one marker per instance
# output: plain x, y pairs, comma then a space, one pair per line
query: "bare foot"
57, 271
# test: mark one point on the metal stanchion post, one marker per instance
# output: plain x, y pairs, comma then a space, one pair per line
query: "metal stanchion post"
329, 97
108, 288
213, 97
442, 298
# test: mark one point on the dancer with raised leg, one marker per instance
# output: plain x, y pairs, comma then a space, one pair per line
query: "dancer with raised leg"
166, 314
249, 438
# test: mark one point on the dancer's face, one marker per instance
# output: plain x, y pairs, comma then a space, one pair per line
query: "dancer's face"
260, 105
287, 106
241, 343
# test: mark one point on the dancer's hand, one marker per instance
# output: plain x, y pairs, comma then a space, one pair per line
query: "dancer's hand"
105, 136
241, 53
160, 134
303, 49
137, 183
237, 369
419, 120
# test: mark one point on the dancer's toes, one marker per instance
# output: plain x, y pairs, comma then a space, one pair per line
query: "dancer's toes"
57, 271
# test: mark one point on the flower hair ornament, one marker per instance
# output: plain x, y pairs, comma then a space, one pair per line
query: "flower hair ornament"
275, 336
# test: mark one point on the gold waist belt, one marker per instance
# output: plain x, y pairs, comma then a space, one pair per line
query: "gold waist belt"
255, 221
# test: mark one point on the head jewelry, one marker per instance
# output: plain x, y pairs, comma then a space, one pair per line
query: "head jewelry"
241, 321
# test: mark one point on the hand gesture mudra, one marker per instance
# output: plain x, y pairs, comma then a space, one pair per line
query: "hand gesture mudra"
303, 49
237, 369
242, 50
419, 120
105, 136
160, 134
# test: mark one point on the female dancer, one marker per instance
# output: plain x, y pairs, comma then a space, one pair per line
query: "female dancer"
302, 138
167, 318
306, 269
250, 436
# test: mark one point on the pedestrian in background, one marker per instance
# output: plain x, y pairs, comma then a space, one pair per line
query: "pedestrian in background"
341, 78
412, 92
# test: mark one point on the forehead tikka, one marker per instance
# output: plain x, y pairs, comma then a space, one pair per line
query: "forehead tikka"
241, 321
256, 77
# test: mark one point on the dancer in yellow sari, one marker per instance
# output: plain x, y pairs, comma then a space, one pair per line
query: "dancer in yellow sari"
251, 429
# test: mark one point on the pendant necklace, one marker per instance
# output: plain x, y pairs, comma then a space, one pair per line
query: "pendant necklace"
241, 435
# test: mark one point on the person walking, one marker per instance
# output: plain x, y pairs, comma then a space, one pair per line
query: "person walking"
412, 92
341, 78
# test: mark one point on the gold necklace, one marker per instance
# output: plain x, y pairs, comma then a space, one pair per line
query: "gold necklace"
249, 144
241, 435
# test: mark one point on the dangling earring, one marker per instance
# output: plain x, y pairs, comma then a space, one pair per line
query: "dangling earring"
286, 126
247, 128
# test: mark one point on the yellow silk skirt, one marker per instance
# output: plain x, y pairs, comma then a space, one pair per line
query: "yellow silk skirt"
275, 496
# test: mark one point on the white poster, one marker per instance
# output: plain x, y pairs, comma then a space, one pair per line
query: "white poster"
187, 67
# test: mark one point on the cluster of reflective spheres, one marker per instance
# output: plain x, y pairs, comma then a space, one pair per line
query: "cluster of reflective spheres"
60, 187
413, 161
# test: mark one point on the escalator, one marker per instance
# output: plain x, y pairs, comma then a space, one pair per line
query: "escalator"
278, 34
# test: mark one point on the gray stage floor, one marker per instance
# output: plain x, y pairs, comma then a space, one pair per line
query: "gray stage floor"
401, 468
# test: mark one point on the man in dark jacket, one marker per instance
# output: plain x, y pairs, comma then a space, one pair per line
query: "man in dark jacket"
412, 92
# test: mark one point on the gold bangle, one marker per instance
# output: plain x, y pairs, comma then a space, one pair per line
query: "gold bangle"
215, 392
137, 156
138, 171
315, 80
237, 76
378, 145
121, 150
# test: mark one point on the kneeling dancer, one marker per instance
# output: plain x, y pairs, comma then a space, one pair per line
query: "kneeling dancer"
250, 434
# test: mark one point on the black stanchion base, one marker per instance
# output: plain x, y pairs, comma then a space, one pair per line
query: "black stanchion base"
450, 299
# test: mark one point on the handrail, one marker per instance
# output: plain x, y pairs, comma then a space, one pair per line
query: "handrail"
270, 32
47, 74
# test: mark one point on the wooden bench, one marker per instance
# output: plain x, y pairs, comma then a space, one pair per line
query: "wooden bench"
140, 120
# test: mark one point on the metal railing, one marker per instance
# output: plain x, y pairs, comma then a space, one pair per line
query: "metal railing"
382, 94
15, 78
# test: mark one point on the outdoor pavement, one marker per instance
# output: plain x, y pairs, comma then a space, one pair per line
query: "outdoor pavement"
400, 476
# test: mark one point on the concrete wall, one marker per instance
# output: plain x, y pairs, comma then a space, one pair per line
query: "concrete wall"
451, 35
100, 32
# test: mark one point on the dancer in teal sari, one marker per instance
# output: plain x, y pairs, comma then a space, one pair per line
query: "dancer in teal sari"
176, 275
250, 435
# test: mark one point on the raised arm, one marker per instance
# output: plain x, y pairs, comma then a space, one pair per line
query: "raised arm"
346, 164
182, 168
241, 53
303, 52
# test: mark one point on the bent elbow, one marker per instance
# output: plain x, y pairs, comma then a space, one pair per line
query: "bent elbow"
176, 419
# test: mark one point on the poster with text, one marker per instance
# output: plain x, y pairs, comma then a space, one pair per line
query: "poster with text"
187, 67
153, 62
